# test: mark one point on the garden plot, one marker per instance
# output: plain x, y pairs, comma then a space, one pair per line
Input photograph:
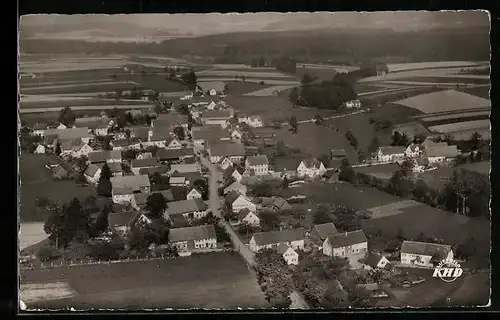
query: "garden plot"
447, 100
392, 208
461, 126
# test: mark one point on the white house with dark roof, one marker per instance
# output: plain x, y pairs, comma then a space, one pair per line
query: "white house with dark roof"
275, 204
438, 154
375, 261
311, 168
239, 202
414, 150
424, 254
96, 125
92, 173
226, 163
70, 133
291, 256
177, 181
193, 194
234, 151
212, 88
190, 209
122, 195
252, 121
236, 187
73, 147
259, 164
249, 217
193, 238
388, 154
236, 134
136, 165
320, 232
105, 156
272, 239
174, 154
123, 221
346, 244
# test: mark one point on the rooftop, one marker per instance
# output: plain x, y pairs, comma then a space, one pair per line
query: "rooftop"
104, 155
442, 151
182, 168
192, 233
171, 154
135, 182
426, 249
209, 133
142, 163
257, 160
326, 230
225, 149
346, 239
392, 150
312, 163
216, 114
186, 206
274, 237
142, 198
208, 85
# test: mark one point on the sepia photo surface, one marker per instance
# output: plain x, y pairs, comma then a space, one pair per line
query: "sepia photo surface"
254, 161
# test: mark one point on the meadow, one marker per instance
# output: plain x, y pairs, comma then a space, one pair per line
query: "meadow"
37, 182
456, 116
213, 280
462, 126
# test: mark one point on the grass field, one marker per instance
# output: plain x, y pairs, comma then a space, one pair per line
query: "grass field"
44, 102
456, 116
325, 74
36, 182
446, 79
240, 87
474, 290
98, 87
31, 233
270, 73
270, 91
462, 126
480, 91
214, 280
396, 67
482, 167
315, 140
380, 171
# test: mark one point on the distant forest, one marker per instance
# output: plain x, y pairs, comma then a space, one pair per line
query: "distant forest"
303, 46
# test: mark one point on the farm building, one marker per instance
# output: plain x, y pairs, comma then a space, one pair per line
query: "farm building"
249, 217
193, 194
292, 237
138, 183
390, 154
218, 150
193, 238
237, 187
276, 204
71, 133
311, 168
202, 135
212, 88
414, 150
139, 132
92, 173
96, 125
136, 165
171, 120
291, 256
139, 200
122, 195
123, 221
410, 129
190, 209
252, 121
375, 261
437, 154
320, 232
105, 156
346, 244
259, 164
174, 154
424, 254
240, 202
74, 147
216, 117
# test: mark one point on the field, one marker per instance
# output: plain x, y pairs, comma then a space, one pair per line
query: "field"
461, 116
325, 74
462, 126
315, 140
31, 233
381, 171
36, 182
84, 88
482, 167
447, 79
270, 91
214, 280
240, 87
397, 67
33, 102
480, 91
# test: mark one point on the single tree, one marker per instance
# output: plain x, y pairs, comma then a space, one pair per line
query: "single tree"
58, 151
285, 184
179, 132
106, 172
306, 79
374, 145
293, 97
55, 226
156, 205
294, 124
476, 141
101, 223
67, 116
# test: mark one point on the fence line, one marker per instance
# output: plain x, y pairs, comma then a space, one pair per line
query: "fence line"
86, 262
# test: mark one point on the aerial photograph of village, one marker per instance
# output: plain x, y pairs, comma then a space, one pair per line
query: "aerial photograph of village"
254, 161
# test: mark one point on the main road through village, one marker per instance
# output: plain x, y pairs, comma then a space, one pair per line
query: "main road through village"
215, 205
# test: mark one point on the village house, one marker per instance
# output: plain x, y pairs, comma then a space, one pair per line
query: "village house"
122, 222
251, 121
96, 125
320, 232
352, 104
211, 88
193, 238
136, 165
226, 163
193, 194
259, 164
204, 135
190, 209
38, 129
138, 132
237, 187
105, 156
178, 181
249, 217
420, 164
139, 200
120, 144
189, 177
375, 261
73, 147
291, 256
234, 151
185, 168
216, 117
138, 183
236, 134
174, 154
337, 156
40, 149
410, 129
346, 244
275, 204
310, 168
162, 137
238, 202
429, 143
170, 120
211, 105
272, 239
70, 133
234, 172
414, 151
92, 173
390, 154
122, 195
424, 254
439, 154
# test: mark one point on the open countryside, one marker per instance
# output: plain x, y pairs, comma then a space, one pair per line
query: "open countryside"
291, 167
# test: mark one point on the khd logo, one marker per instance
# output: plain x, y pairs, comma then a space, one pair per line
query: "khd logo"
448, 270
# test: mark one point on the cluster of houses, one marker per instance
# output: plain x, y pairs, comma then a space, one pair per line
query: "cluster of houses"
424, 156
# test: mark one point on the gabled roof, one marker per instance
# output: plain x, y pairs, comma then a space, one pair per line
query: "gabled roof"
91, 170
186, 206
170, 154
209, 133
282, 248
392, 150
243, 213
192, 233
209, 85
325, 230
140, 132
183, 168
425, 249
257, 160
134, 182
121, 219
231, 197
413, 147
143, 163
161, 133
104, 155
170, 119
338, 153
216, 114
122, 190
142, 198
150, 171
312, 163
71, 133
189, 176
71, 144
235, 185
442, 151
373, 259
346, 239
177, 180
275, 237
225, 149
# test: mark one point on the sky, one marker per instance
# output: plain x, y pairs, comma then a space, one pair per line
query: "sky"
204, 24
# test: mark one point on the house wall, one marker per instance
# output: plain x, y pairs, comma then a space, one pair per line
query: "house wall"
220, 122
382, 263
215, 159
260, 169
302, 171
226, 163
205, 243
241, 204
193, 195
434, 160
101, 131
298, 244
410, 259
122, 198
291, 257
251, 219
346, 251
237, 176
95, 178
174, 145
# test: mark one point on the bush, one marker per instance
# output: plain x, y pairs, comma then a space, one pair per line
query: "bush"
46, 254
